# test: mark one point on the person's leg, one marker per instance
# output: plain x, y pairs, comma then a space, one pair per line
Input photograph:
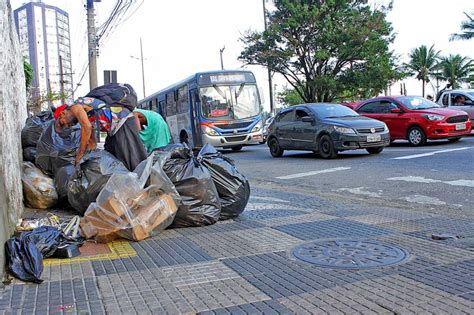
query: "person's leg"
126, 145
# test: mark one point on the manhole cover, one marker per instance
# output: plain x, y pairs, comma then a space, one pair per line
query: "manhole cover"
350, 254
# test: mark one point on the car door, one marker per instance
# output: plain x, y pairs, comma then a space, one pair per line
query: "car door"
303, 134
284, 128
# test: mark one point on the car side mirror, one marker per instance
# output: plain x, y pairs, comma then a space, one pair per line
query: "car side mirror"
307, 119
396, 111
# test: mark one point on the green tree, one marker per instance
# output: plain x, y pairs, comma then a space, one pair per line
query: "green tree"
289, 97
324, 48
456, 69
423, 64
28, 69
468, 30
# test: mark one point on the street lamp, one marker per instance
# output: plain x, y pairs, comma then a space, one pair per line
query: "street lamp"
270, 90
143, 68
222, 62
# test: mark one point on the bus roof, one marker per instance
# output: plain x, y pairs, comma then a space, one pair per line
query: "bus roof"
194, 76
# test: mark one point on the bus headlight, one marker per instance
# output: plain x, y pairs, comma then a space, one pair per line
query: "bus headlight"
209, 131
257, 127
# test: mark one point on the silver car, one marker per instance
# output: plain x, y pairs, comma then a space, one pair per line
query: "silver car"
446, 99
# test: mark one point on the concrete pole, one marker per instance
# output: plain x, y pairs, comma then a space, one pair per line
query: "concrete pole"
143, 68
61, 80
270, 85
92, 44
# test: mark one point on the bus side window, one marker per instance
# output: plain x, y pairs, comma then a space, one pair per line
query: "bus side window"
183, 100
161, 108
170, 104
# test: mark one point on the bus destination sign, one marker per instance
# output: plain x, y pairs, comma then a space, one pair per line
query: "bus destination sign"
226, 78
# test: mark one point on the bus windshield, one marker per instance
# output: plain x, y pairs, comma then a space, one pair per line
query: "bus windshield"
224, 102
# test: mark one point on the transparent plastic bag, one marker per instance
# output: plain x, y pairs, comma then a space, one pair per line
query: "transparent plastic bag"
38, 189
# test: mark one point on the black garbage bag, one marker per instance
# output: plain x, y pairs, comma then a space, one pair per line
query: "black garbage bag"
87, 182
55, 150
34, 126
200, 202
61, 181
29, 154
25, 252
232, 186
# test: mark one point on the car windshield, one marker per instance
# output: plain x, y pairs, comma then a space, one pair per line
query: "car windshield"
221, 102
416, 102
333, 111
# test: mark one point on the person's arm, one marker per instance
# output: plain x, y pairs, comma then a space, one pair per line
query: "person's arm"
86, 130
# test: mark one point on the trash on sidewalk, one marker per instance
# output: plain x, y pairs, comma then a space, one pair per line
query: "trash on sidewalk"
31, 224
90, 178
200, 202
61, 181
445, 236
232, 186
38, 188
55, 150
29, 154
124, 209
25, 252
34, 126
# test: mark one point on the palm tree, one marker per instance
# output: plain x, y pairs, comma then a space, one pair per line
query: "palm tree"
456, 70
423, 64
468, 30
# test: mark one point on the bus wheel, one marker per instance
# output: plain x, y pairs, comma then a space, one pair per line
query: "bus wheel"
237, 148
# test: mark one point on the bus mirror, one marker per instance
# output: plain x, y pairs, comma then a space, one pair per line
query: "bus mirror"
262, 96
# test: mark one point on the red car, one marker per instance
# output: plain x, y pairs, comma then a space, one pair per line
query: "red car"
416, 119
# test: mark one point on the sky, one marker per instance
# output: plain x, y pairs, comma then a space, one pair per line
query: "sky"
182, 37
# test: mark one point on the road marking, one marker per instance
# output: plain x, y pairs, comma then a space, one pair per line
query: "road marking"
361, 191
269, 199
407, 157
420, 179
425, 200
329, 170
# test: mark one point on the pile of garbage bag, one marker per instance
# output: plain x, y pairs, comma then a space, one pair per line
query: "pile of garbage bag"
38, 188
31, 133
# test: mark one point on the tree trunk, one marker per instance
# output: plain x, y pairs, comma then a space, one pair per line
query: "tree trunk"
423, 88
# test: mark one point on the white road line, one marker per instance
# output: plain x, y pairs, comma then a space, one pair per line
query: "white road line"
329, 170
420, 179
407, 157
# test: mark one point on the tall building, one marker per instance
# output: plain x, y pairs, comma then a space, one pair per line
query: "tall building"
44, 40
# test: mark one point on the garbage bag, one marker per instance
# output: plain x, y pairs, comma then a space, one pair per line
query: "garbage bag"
34, 126
200, 201
90, 178
124, 209
38, 189
25, 252
29, 154
55, 150
232, 186
61, 180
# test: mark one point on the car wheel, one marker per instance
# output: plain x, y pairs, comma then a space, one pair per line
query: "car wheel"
275, 149
376, 150
454, 139
392, 141
237, 148
416, 136
326, 148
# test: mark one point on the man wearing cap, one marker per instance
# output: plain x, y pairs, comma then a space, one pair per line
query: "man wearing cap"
107, 108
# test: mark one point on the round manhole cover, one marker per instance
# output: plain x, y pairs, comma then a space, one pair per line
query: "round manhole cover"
350, 254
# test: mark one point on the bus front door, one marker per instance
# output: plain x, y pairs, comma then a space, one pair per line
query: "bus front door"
196, 128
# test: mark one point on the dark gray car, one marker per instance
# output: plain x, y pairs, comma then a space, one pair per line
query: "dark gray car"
325, 129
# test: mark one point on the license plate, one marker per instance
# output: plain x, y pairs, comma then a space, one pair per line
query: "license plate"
373, 138
460, 126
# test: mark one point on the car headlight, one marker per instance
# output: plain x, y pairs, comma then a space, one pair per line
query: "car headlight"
257, 127
209, 131
344, 130
385, 127
433, 117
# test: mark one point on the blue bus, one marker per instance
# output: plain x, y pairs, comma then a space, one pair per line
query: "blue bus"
222, 108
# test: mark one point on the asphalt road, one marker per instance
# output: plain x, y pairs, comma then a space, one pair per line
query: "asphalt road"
438, 177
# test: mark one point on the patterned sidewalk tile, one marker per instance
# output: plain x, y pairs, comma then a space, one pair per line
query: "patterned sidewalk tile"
219, 227
371, 219
243, 243
270, 214
331, 229
68, 271
309, 217
264, 307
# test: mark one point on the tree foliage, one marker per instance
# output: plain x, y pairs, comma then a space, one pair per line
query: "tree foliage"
456, 70
326, 49
28, 69
467, 27
423, 64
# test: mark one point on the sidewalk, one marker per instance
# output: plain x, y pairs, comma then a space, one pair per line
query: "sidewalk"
249, 266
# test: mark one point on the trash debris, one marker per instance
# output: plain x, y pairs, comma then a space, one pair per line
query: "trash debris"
61, 181
31, 224
29, 154
25, 252
66, 251
55, 150
34, 126
233, 188
38, 189
88, 181
124, 209
200, 202
445, 236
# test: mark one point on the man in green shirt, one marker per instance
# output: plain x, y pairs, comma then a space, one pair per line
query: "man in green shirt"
154, 131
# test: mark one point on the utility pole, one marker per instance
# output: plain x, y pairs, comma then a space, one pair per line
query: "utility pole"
270, 90
92, 44
222, 62
61, 80
143, 68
